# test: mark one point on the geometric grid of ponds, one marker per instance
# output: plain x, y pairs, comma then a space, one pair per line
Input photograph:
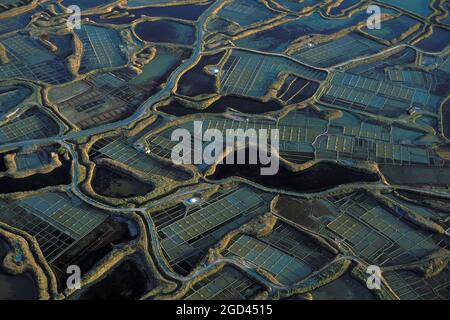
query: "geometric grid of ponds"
365, 93
291, 241
118, 150
251, 74
54, 219
296, 135
32, 160
70, 215
285, 268
409, 286
364, 128
180, 236
378, 234
297, 132
52, 241
286, 253
11, 97
30, 60
337, 51
15, 23
246, 12
305, 130
341, 147
161, 145
396, 84
102, 48
303, 135
217, 213
413, 78
33, 124
227, 284
102, 98
377, 69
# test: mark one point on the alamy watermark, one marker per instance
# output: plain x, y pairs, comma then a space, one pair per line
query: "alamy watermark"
261, 147
374, 21
74, 20
74, 279
373, 282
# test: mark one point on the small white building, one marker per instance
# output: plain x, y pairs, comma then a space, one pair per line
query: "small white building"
214, 70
